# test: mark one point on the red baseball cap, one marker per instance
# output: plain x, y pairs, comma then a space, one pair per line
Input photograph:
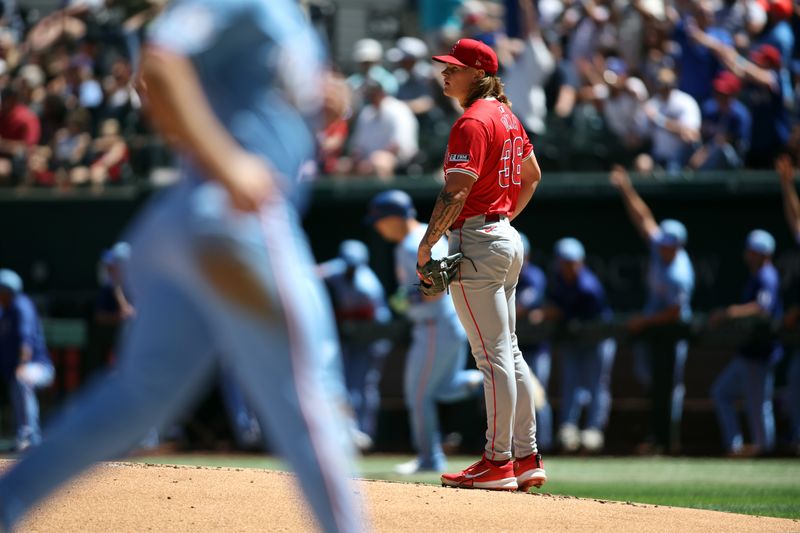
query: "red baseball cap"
780, 9
766, 56
727, 83
471, 53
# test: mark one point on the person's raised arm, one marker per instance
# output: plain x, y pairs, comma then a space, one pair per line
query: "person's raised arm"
639, 213
181, 111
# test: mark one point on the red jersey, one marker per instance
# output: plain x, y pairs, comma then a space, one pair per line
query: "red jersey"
20, 124
489, 144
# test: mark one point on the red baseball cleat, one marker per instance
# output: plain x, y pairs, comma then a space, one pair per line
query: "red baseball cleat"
530, 472
483, 475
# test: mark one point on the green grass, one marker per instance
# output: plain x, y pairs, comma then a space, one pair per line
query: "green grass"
768, 487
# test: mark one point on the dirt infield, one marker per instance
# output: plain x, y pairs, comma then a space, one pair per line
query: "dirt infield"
125, 497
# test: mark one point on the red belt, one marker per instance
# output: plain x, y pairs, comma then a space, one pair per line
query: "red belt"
487, 219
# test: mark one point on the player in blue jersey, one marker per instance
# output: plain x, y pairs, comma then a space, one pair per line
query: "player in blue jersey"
751, 372
577, 295
360, 301
221, 265
438, 352
24, 363
670, 284
531, 290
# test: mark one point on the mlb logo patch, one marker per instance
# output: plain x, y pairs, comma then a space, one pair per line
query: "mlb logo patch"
458, 158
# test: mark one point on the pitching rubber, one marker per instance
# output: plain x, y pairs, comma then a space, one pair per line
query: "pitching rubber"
509, 484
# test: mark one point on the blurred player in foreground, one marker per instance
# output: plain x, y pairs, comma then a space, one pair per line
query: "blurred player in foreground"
221, 263
438, 352
491, 174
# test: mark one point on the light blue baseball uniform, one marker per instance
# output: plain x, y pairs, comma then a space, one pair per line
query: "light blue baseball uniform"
667, 285
358, 296
211, 280
20, 325
436, 358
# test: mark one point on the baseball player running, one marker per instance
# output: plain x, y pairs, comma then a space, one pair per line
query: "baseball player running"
435, 361
491, 174
221, 263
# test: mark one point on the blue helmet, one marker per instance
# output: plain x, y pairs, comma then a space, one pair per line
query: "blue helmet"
569, 249
760, 242
673, 233
393, 202
354, 253
10, 280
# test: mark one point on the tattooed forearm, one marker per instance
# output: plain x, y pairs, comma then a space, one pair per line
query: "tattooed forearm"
445, 212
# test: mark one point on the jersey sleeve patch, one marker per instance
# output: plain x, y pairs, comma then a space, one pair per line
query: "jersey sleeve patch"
458, 158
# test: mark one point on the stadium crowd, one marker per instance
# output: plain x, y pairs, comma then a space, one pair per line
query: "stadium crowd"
673, 86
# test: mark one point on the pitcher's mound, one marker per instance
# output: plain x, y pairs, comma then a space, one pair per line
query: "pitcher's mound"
124, 497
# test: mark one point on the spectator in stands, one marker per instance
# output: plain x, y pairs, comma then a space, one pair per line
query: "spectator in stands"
84, 87
109, 155
673, 123
698, 65
385, 135
531, 290
622, 98
592, 33
120, 97
763, 94
72, 143
19, 132
526, 76
778, 32
657, 55
670, 283
336, 110
726, 127
414, 75
482, 21
359, 300
24, 362
751, 372
577, 295
367, 56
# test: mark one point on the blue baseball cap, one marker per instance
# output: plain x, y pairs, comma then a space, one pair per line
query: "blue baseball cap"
760, 242
354, 253
569, 249
393, 202
673, 233
10, 280
526, 244
119, 253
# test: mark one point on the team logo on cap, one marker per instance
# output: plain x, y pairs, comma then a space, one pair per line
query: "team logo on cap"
455, 47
